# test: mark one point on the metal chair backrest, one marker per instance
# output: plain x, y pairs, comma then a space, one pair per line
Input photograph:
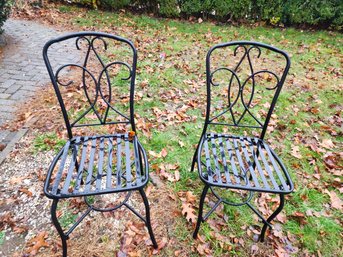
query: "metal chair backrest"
244, 80
94, 79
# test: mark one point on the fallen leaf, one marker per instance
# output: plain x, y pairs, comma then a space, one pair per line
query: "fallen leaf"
254, 249
177, 175
20, 229
164, 153
37, 242
281, 217
204, 249
300, 217
16, 180
190, 197
331, 161
327, 143
161, 244
2, 147
336, 202
121, 254
296, 152
7, 219
189, 212
171, 166
26, 191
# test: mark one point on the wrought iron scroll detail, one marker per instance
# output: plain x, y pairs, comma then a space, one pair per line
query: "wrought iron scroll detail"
245, 100
95, 81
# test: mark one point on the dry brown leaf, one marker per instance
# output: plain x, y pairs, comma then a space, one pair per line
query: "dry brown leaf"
2, 147
296, 152
121, 254
171, 166
17, 180
204, 249
189, 212
164, 152
177, 175
7, 219
37, 242
254, 249
336, 202
331, 161
190, 197
20, 229
148, 190
327, 143
300, 217
281, 217
26, 191
161, 244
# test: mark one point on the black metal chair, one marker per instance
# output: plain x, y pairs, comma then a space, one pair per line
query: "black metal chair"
244, 80
94, 72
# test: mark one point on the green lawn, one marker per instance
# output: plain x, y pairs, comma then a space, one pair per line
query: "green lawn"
309, 117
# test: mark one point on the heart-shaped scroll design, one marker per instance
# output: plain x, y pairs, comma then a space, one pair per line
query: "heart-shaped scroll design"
241, 91
96, 86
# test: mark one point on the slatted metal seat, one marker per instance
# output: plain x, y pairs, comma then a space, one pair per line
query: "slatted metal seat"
97, 164
243, 81
243, 163
102, 154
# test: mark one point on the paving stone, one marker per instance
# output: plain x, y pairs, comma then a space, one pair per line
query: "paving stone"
29, 88
8, 82
6, 115
7, 102
13, 88
8, 137
3, 134
22, 95
4, 96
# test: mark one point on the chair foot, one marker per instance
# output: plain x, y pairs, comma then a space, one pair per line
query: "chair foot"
201, 206
147, 214
58, 227
275, 213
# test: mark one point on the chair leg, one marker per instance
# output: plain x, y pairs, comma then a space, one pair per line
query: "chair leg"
147, 214
58, 227
194, 159
201, 206
275, 213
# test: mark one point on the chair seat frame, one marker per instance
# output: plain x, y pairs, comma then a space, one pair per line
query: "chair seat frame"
248, 173
58, 194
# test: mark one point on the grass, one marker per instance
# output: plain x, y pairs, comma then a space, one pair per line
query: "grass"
310, 100
2, 237
68, 217
48, 141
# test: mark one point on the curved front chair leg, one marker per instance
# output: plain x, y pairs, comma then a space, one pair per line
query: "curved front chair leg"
147, 214
194, 159
196, 152
58, 227
201, 206
275, 213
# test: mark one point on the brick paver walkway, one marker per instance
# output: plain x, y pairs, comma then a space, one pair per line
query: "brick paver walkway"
22, 70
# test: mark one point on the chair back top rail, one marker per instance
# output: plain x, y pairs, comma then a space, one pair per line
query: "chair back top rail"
90, 84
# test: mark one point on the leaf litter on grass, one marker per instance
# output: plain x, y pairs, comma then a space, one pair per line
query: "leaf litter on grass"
306, 131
